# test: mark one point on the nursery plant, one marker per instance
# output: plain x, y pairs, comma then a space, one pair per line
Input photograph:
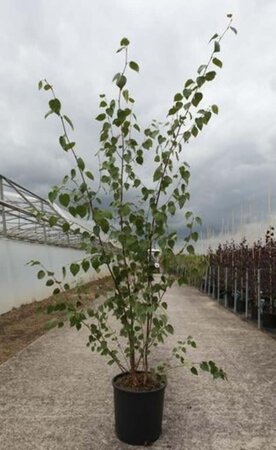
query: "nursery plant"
126, 216
244, 261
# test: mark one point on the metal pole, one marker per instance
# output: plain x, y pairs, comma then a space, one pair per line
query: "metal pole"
213, 282
218, 280
259, 296
43, 224
3, 208
209, 280
206, 280
225, 286
246, 293
235, 290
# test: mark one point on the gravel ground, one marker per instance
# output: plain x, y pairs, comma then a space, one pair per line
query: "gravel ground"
56, 395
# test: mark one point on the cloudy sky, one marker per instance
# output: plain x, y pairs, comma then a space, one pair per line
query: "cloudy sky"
73, 43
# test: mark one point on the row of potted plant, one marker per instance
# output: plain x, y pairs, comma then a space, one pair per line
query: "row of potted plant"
250, 268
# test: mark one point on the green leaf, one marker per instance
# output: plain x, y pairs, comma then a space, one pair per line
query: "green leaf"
47, 87
121, 81
189, 82
41, 274
197, 98
169, 329
204, 366
201, 68
178, 97
69, 145
216, 47
101, 117
190, 250
66, 227
48, 114
89, 175
172, 111
34, 263
213, 37
85, 265
187, 93
161, 139
49, 282
147, 144
215, 109
126, 95
40, 84
96, 230
194, 371
72, 211
81, 164
217, 62
68, 121
124, 42
194, 131
171, 208
230, 16
199, 123
116, 76
207, 117
64, 199
55, 106
187, 136
234, 30
200, 81
52, 196
104, 225
198, 220
63, 142
74, 269
134, 66
188, 214
210, 75
52, 220
81, 210
194, 236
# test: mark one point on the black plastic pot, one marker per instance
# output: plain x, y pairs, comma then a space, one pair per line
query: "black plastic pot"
138, 414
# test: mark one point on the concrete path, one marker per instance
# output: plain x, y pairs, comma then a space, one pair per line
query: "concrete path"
56, 395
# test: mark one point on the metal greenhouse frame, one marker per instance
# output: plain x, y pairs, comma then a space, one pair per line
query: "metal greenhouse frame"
24, 216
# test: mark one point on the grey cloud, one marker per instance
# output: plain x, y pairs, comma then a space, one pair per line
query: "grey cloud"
73, 44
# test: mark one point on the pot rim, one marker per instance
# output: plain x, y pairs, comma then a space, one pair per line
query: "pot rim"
140, 391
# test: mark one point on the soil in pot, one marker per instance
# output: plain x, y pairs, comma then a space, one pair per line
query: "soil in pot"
138, 409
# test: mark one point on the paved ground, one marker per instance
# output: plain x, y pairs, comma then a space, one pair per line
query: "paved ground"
56, 395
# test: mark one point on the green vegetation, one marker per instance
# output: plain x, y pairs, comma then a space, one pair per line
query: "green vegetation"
191, 268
